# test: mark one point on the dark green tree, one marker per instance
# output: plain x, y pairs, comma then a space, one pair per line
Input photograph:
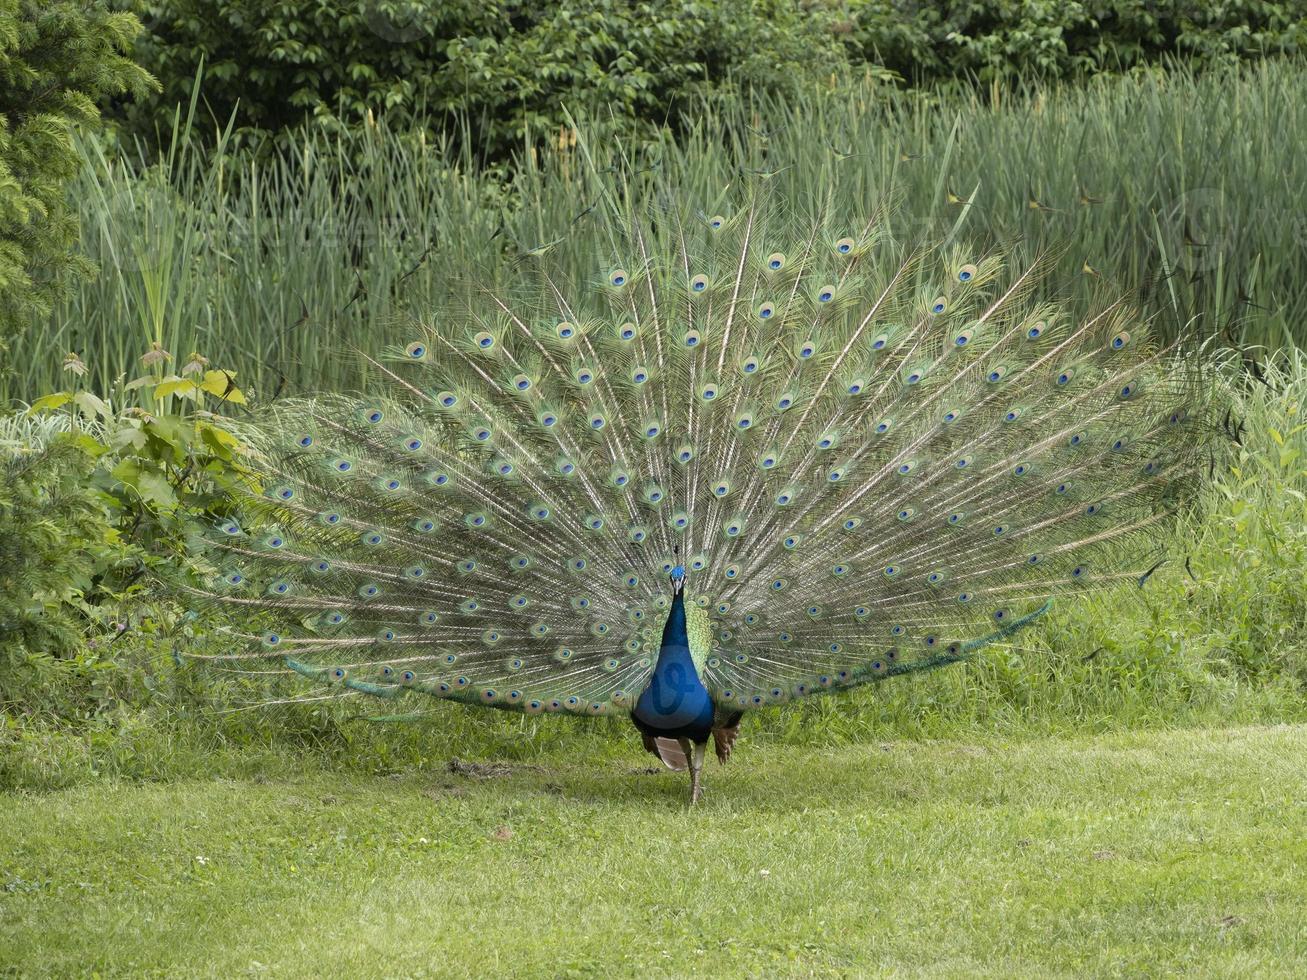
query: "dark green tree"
57, 59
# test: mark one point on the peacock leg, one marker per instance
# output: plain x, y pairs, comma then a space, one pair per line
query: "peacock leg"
694, 755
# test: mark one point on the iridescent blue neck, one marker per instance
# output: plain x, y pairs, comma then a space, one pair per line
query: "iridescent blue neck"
675, 702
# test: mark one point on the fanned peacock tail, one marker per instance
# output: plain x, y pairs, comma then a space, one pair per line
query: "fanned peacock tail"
869, 459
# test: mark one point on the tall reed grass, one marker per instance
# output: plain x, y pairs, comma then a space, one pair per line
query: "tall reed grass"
1186, 188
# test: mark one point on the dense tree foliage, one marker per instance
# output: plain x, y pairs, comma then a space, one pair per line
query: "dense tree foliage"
57, 59
504, 65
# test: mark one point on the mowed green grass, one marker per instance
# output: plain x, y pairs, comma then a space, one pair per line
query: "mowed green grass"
1127, 855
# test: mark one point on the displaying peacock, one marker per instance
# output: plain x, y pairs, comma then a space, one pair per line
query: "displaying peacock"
749, 461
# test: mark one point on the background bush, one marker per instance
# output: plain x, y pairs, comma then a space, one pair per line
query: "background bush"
499, 65
1055, 39
57, 58
509, 67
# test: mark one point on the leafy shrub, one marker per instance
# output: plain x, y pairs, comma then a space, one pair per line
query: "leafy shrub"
57, 58
997, 38
57, 537
508, 69
95, 503
498, 64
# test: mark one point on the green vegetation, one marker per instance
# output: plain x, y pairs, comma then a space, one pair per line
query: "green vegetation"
56, 59
1112, 791
507, 67
1217, 636
1182, 187
1140, 854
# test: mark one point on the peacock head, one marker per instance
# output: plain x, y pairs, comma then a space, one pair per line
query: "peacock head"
678, 579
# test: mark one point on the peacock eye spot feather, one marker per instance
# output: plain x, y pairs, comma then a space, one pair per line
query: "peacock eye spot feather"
826, 294
844, 246
775, 261
1120, 340
566, 331
967, 273
484, 340
938, 305
699, 283
618, 277
765, 311
305, 441
416, 350
716, 222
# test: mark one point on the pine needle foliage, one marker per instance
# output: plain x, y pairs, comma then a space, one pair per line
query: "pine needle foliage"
56, 61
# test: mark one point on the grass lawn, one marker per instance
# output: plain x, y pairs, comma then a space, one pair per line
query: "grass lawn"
1137, 855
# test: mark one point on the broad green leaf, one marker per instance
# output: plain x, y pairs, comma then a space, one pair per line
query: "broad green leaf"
221, 384
149, 484
182, 387
128, 435
91, 404
51, 402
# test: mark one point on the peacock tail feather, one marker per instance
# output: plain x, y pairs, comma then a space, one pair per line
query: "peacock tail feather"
870, 459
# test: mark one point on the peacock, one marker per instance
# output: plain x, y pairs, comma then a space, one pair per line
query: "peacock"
752, 458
